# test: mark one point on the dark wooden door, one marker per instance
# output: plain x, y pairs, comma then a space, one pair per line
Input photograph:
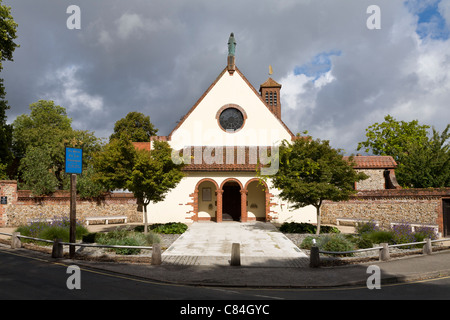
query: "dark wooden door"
231, 209
446, 215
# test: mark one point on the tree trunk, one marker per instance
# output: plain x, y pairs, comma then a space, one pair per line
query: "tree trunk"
144, 206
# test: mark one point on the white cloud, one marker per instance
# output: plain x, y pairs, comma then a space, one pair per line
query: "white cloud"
129, 23
69, 93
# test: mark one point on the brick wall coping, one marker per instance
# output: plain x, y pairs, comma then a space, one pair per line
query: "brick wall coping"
398, 193
65, 194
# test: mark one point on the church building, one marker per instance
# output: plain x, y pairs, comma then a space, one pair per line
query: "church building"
229, 131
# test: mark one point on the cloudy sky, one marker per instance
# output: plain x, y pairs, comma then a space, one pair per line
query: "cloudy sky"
158, 57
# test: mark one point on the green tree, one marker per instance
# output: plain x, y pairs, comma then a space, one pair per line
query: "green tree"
423, 161
8, 28
393, 138
311, 171
113, 164
427, 165
87, 186
153, 175
38, 175
48, 126
136, 126
149, 175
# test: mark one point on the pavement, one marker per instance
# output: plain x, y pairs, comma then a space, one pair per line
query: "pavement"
202, 254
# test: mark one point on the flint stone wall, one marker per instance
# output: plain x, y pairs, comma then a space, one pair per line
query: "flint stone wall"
22, 207
414, 206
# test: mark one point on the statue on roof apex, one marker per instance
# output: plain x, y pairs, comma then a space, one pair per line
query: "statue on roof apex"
231, 45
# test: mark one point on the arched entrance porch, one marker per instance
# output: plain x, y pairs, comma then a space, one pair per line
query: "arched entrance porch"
232, 208
231, 201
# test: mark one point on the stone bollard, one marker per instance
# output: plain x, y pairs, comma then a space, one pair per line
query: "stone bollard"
314, 258
15, 241
235, 254
384, 252
427, 249
156, 254
58, 249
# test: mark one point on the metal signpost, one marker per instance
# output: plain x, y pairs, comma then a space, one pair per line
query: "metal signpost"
74, 166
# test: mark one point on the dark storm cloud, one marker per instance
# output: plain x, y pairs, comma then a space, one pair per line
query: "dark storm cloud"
158, 57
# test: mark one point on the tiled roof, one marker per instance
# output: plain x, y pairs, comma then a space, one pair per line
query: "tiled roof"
142, 145
271, 83
374, 162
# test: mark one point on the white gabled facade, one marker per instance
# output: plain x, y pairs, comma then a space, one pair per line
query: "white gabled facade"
223, 136
201, 128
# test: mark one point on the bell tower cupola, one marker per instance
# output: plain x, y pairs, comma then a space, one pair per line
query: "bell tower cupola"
270, 92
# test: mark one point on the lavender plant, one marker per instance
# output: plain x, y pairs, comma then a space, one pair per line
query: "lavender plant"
402, 233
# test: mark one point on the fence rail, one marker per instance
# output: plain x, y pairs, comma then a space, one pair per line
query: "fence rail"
384, 253
379, 248
81, 244
156, 254
57, 251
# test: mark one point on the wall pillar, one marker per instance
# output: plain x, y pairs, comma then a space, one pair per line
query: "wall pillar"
219, 194
8, 194
244, 213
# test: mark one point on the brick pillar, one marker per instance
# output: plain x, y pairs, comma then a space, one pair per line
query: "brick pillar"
244, 213
268, 205
8, 191
219, 194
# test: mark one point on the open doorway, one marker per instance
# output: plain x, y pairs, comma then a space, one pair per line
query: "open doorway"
446, 216
231, 203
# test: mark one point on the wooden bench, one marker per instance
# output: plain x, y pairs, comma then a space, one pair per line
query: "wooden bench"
105, 218
417, 225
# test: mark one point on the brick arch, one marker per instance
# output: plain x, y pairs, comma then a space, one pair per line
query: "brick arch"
256, 179
195, 197
268, 196
231, 179
205, 180
243, 198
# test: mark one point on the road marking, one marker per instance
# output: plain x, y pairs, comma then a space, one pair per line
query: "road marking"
228, 289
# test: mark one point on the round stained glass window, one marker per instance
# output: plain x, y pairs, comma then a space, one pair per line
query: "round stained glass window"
231, 119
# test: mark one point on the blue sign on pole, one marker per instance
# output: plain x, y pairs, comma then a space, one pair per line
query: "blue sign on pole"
74, 160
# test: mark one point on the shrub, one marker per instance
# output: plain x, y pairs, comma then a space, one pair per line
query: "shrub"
55, 232
122, 237
303, 227
364, 243
307, 243
59, 228
90, 237
422, 233
381, 236
402, 233
166, 228
364, 227
336, 243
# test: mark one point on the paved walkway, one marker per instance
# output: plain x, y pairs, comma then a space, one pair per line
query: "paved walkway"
261, 245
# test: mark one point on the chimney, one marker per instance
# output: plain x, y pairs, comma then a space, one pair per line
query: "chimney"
270, 92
